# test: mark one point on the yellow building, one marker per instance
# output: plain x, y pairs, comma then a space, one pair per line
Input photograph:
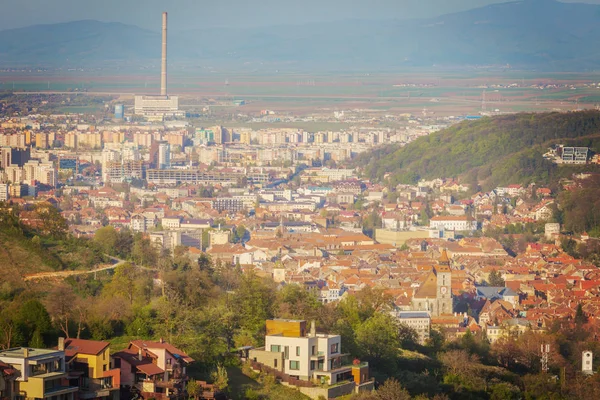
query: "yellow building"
71, 140
42, 140
89, 362
245, 137
398, 238
89, 140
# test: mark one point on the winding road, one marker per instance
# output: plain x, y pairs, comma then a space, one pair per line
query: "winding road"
66, 274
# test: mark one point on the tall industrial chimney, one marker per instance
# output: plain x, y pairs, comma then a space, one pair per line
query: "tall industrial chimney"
163, 69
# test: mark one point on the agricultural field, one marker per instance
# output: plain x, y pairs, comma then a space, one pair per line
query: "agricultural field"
416, 92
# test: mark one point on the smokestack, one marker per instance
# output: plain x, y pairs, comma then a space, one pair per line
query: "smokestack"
163, 69
61, 343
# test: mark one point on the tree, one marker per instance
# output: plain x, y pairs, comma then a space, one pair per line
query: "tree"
495, 279
143, 253
220, 378
255, 299
127, 282
124, 243
240, 233
569, 246
205, 263
51, 221
297, 302
457, 362
10, 334
193, 388
35, 323
391, 390
580, 317
107, 237
408, 337
378, 338
60, 305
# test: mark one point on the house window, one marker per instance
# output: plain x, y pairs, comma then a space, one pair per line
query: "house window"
314, 350
334, 348
286, 352
295, 365
275, 348
312, 365
274, 362
297, 350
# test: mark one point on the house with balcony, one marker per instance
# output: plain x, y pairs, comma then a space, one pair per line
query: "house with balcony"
89, 367
314, 362
153, 370
40, 374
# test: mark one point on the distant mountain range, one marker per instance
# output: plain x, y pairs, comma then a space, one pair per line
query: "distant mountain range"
530, 34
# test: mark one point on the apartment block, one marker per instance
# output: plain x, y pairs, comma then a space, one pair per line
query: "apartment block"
420, 321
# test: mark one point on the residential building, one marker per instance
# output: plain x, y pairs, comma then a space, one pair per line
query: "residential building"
307, 355
574, 155
551, 230
155, 370
449, 223
420, 321
89, 368
4, 191
41, 373
139, 223
229, 204
497, 293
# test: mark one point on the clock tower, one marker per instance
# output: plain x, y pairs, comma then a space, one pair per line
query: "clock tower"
444, 285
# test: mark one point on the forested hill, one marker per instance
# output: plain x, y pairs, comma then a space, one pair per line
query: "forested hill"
492, 151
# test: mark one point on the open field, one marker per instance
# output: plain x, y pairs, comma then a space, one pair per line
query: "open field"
442, 93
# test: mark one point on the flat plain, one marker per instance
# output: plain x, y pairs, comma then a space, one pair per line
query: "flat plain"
429, 92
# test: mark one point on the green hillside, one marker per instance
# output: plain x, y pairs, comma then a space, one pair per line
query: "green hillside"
24, 251
491, 151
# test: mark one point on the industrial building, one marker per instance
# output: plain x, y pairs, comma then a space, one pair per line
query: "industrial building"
163, 105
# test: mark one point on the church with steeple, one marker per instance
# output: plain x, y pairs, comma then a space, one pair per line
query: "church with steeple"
435, 293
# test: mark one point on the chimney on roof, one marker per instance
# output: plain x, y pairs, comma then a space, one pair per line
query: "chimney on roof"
140, 354
26, 352
313, 329
161, 340
61, 343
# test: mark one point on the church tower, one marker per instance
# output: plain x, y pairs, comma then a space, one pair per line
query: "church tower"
444, 285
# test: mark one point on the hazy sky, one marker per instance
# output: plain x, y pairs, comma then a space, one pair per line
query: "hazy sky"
186, 14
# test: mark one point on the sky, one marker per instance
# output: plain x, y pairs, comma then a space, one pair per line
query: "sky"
190, 14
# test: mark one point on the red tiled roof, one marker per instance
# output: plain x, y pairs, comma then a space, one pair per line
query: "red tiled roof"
148, 345
81, 346
144, 364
